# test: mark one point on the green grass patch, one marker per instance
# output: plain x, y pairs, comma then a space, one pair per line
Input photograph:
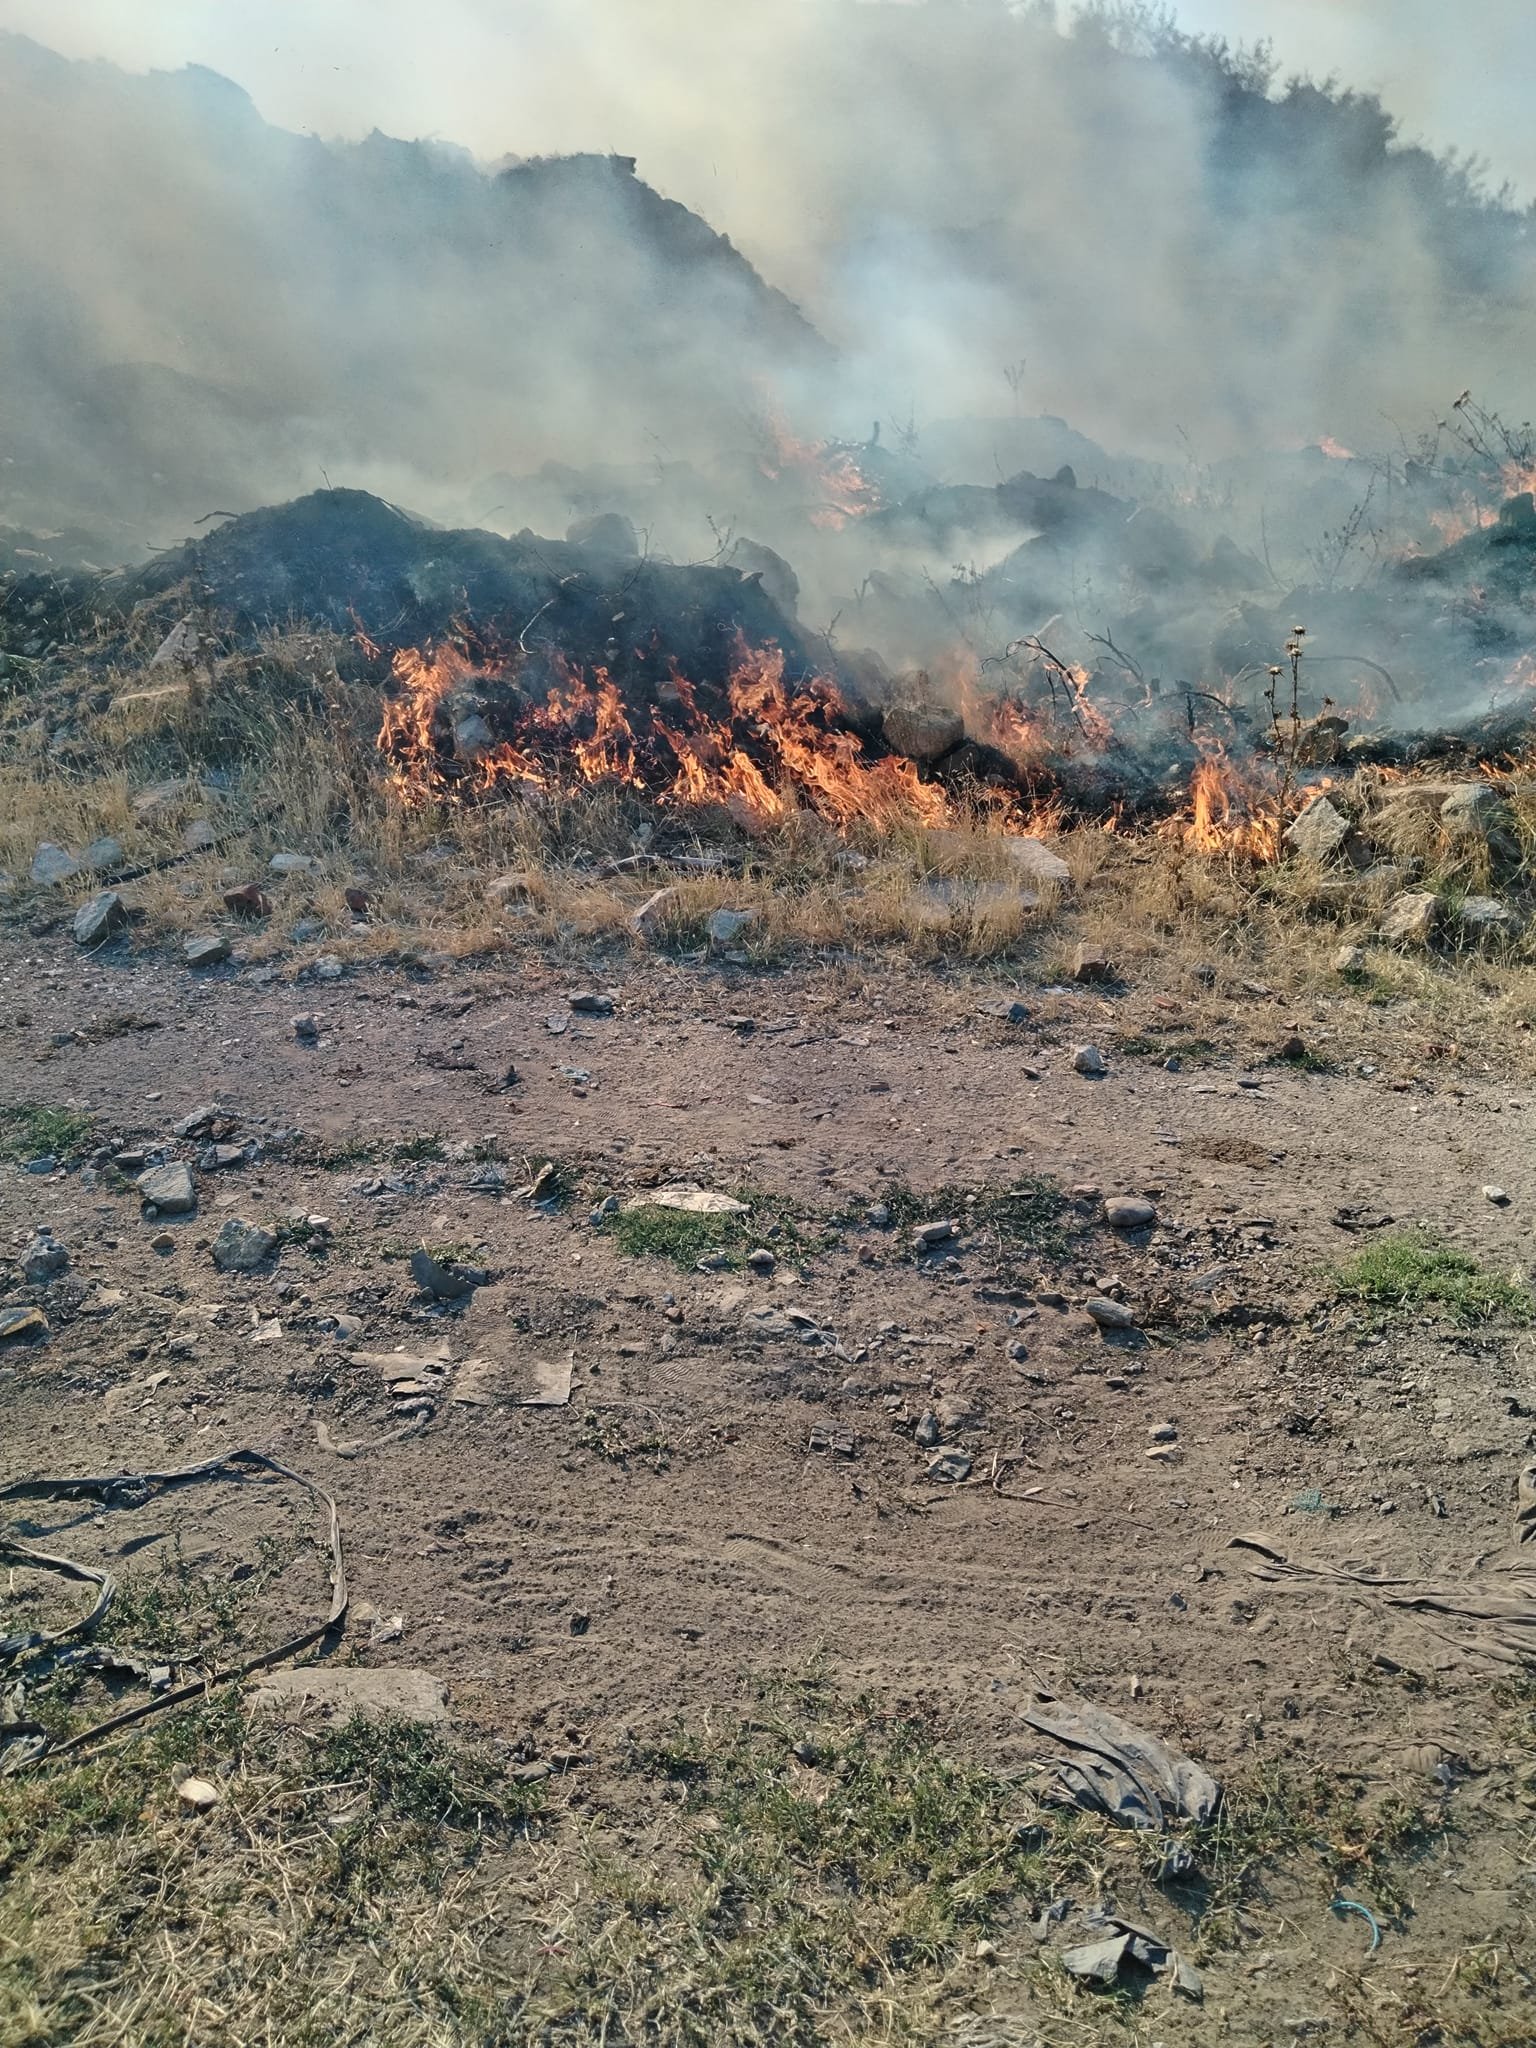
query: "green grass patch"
1027, 1215
1146, 1045
677, 1235
34, 1130
1413, 1270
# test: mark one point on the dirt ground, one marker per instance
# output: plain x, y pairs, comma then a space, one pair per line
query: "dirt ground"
575, 1571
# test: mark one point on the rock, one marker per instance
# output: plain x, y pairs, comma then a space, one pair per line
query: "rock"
1036, 862
445, 1283
168, 1189
1292, 1048
1092, 963
199, 837
1475, 810
922, 731
606, 533
653, 910
358, 901
206, 949
591, 1002
46, 1164
1349, 960
950, 1466
1109, 1315
241, 1247
102, 855
762, 1260
329, 967
162, 1242
1163, 1433
514, 888
1483, 917
51, 865
1127, 1212
198, 1795
19, 1323
1087, 1059
1497, 1196
1320, 831
307, 930
956, 1412
927, 1235
292, 864
337, 1692
926, 1434
1006, 1012
1411, 919
725, 926
43, 1260
307, 1027
472, 736
99, 918
249, 901
159, 797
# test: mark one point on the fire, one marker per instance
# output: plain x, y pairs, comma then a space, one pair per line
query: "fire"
840, 490
774, 752
1335, 450
1230, 813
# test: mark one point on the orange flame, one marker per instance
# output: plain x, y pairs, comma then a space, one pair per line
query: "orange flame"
840, 489
1230, 813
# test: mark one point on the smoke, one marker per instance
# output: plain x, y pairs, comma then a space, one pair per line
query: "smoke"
951, 216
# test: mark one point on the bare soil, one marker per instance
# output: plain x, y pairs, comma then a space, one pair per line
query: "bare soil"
647, 1548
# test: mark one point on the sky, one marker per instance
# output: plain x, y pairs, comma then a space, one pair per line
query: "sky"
1456, 76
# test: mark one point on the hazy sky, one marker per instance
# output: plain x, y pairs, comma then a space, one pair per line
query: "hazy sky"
461, 69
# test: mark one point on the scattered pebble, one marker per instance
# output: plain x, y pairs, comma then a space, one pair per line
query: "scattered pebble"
1087, 1059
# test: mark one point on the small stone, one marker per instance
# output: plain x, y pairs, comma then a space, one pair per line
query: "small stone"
206, 949
1349, 960
46, 1164
724, 926
653, 909
1497, 1196
358, 901
1110, 1315
1163, 1433
950, 1466
1411, 919
307, 1027
19, 1323
1475, 810
762, 1260
163, 1242
197, 1794
927, 1235
1319, 832
1006, 1012
249, 901
1087, 1059
292, 864
513, 888
924, 732
240, 1247
168, 1189
43, 1260
102, 855
1485, 917
199, 837
445, 1283
926, 1434
1092, 963
591, 1002
329, 967
580, 1622
51, 865
1126, 1212
99, 917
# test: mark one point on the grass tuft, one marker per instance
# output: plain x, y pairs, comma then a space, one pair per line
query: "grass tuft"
1414, 1270
33, 1130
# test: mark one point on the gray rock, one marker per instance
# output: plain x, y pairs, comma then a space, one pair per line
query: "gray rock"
1110, 1315
240, 1247
336, 1693
1036, 862
199, 837
1126, 1212
99, 917
168, 1189
1006, 1012
1349, 960
653, 910
292, 864
43, 1260
1475, 810
591, 1002
179, 648
950, 1465
1497, 1196
1319, 832
307, 930
329, 967
1411, 919
923, 731
206, 949
762, 1260
927, 1235
46, 1163
1092, 963
956, 1412
159, 796
605, 533
51, 865
725, 926
1087, 1059
307, 1027
1484, 917
1163, 1433
445, 1283
926, 1434
102, 855
513, 888
472, 737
